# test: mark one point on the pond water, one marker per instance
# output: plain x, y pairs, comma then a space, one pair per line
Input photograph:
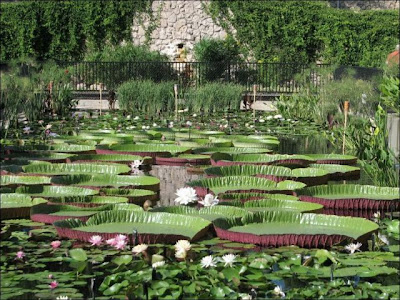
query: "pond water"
174, 177
29, 278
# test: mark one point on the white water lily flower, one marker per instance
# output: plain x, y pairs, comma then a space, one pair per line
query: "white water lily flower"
158, 264
376, 217
136, 172
136, 164
278, 291
208, 261
353, 247
27, 130
62, 298
155, 125
136, 118
228, 259
186, 195
245, 297
269, 118
48, 126
194, 115
209, 200
383, 238
181, 254
139, 248
95, 240
247, 124
128, 117
261, 120
251, 126
147, 127
143, 127
278, 117
183, 245
115, 118
188, 123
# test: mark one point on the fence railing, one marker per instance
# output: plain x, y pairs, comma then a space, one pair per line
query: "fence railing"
269, 77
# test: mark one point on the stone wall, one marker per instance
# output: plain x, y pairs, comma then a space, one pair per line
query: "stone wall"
175, 27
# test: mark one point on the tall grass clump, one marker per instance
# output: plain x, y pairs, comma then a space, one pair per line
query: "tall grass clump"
215, 97
146, 96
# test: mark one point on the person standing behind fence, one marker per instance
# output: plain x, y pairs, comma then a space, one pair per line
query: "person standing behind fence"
393, 58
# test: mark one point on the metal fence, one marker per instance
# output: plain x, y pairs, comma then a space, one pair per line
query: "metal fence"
269, 77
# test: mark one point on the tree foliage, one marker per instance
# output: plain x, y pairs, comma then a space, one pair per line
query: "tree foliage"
306, 31
64, 29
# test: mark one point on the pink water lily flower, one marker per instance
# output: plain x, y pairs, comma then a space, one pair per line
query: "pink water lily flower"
111, 242
121, 237
20, 254
55, 244
96, 240
120, 245
53, 284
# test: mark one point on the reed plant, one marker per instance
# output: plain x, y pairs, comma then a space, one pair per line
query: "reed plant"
214, 97
146, 96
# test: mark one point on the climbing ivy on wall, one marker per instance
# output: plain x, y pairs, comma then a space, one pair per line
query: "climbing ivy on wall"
306, 31
64, 29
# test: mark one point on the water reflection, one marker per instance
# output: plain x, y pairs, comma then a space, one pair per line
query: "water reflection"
171, 179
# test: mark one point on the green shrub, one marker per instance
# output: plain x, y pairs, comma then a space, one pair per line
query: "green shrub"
214, 97
24, 89
146, 96
299, 106
218, 54
116, 64
390, 95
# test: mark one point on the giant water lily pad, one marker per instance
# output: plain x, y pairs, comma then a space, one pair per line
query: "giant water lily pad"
136, 196
42, 156
244, 197
183, 159
104, 180
87, 168
16, 205
115, 158
88, 201
242, 184
64, 148
349, 197
334, 159
276, 229
339, 172
150, 227
144, 150
23, 180
51, 191
51, 213
224, 159
282, 205
208, 213
230, 150
309, 176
